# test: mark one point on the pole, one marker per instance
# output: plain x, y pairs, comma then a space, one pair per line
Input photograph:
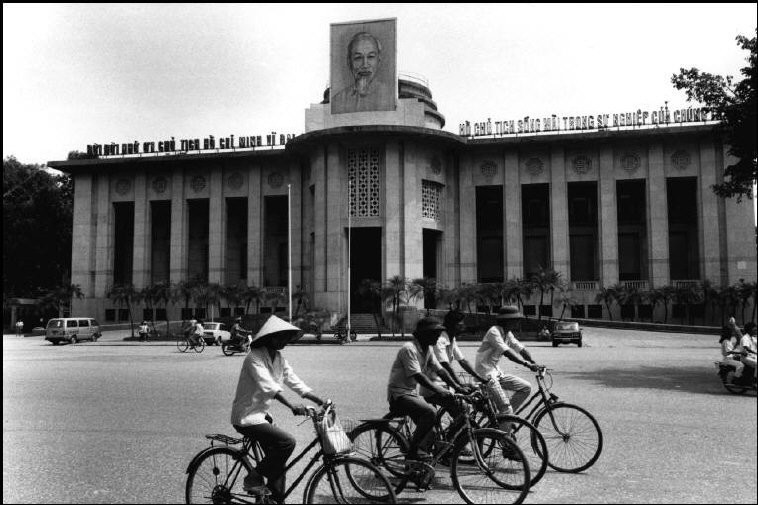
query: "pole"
349, 238
289, 247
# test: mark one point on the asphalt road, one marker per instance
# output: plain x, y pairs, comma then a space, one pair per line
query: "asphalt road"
114, 422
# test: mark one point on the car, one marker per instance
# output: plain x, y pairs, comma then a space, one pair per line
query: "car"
566, 332
215, 333
72, 330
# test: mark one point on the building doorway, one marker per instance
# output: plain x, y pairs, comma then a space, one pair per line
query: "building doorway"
365, 267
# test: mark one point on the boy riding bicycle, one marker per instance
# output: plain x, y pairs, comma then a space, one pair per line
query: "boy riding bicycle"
416, 365
263, 373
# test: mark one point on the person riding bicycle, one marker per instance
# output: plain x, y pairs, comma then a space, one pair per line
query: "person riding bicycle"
196, 332
239, 334
446, 349
499, 341
260, 381
416, 365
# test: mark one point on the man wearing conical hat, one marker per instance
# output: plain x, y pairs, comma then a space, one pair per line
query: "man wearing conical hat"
263, 373
499, 341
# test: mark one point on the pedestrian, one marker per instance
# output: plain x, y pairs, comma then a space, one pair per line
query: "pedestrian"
19, 328
143, 330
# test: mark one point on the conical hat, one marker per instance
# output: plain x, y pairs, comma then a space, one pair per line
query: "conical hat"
276, 325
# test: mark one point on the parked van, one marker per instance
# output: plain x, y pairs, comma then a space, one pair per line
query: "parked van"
72, 329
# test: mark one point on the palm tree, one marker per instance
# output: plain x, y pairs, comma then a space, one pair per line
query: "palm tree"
249, 295
629, 295
303, 299
233, 294
546, 279
729, 298
214, 295
524, 292
124, 294
60, 297
161, 296
510, 290
608, 296
396, 291
145, 295
688, 295
273, 299
710, 297
566, 299
746, 291
200, 295
425, 289
183, 291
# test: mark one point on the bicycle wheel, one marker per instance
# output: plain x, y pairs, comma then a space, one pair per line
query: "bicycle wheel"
182, 344
573, 437
529, 440
348, 480
200, 346
381, 446
217, 478
502, 476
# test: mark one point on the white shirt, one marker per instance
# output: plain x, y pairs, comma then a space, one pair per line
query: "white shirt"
447, 350
260, 380
747, 342
492, 349
410, 361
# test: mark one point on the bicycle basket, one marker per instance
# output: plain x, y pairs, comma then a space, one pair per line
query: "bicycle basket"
497, 396
334, 440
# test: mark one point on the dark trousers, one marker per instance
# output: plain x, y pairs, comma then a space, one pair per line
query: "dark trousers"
423, 415
277, 446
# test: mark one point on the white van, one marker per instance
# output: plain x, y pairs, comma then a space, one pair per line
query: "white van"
72, 329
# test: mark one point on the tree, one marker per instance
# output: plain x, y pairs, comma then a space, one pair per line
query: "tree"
608, 296
395, 290
566, 299
688, 295
161, 296
303, 300
746, 291
249, 295
37, 229
60, 297
124, 294
629, 295
546, 279
735, 107
182, 291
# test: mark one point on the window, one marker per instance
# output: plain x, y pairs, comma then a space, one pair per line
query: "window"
72, 324
110, 314
83, 323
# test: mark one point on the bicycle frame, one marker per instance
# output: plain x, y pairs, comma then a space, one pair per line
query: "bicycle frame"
546, 400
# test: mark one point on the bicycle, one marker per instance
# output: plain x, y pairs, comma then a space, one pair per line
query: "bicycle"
486, 466
185, 342
341, 336
522, 432
573, 436
216, 474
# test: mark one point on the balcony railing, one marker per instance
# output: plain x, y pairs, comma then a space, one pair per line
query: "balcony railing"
638, 285
684, 283
585, 285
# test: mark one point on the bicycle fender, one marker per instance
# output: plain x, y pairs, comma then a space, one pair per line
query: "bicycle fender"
196, 459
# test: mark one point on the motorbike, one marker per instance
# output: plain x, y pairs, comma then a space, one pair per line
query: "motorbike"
736, 385
240, 345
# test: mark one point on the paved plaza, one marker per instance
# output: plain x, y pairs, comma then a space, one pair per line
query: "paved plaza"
117, 422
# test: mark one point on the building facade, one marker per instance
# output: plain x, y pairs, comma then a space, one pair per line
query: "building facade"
375, 194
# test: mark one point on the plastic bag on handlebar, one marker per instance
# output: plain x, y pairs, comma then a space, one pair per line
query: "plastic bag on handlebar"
334, 440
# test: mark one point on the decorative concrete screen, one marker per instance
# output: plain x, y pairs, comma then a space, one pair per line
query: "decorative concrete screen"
431, 198
363, 66
363, 171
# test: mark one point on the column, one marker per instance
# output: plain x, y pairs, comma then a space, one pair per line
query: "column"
658, 225
559, 230
84, 230
142, 235
708, 229
467, 216
514, 232
254, 226
452, 233
608, 220
178, 258
393, 211
296, 203
216, 226
740, 236
413, 243
104, 240
336, 221
318, 176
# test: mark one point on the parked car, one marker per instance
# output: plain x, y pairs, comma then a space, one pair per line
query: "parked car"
566, 332
72, 329
215, 333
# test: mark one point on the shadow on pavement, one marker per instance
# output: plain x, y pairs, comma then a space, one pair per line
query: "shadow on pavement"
700, 379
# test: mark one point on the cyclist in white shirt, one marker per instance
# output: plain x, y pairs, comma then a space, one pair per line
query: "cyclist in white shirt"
499, 341
263, 373
447, 351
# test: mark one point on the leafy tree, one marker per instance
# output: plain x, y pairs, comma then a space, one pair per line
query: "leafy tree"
688, 295
524, 291
249, 295
37, 229
566, 299
60, 297
395, 290
735, 107
124, 295
545, 280
746, 291
425, 288
183, 291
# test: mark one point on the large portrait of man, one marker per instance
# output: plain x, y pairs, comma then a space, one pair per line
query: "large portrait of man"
363, 70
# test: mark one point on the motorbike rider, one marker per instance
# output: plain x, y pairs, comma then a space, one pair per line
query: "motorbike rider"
240, 336
730, 355
748, 345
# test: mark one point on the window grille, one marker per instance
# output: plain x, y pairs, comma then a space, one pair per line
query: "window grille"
431, 197
363, 169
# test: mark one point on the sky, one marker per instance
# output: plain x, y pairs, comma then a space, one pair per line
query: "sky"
94, 73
